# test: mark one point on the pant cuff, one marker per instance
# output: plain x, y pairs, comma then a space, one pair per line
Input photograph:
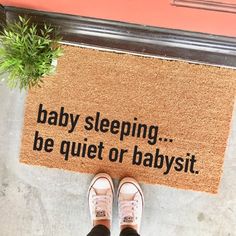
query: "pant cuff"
99, 230
129, 232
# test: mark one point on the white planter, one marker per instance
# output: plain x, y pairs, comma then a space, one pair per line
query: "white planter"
3, 79
54, 65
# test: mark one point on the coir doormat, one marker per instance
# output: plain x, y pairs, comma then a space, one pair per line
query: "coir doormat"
161, 122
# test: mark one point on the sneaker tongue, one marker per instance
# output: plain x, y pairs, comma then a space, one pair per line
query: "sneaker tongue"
128, 219
100, 213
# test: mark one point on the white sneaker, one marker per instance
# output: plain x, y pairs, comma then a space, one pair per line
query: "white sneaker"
130, 203
100, 197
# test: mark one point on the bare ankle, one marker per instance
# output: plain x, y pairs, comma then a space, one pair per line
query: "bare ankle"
106, 223
129, 226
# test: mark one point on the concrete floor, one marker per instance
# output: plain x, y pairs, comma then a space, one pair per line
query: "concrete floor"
41, 201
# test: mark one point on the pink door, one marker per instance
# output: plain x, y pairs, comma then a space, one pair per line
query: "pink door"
206, 16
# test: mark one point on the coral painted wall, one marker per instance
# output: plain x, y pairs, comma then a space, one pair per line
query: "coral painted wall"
147, 12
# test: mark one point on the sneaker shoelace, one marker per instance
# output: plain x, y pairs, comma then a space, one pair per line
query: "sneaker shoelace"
128, 211
102, 205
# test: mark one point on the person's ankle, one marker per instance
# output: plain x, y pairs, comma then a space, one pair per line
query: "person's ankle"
106, 223
135, 227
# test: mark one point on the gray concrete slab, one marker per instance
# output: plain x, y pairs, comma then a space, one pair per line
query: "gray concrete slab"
41, 201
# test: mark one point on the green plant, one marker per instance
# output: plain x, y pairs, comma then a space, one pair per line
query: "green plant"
27, 52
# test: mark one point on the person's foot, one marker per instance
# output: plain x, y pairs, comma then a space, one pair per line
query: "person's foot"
100, 196
130, 203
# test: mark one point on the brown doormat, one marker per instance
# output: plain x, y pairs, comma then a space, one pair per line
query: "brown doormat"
161, 122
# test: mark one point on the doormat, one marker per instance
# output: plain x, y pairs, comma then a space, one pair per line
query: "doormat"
161, 122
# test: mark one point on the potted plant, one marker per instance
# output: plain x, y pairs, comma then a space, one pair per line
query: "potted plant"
28, 53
